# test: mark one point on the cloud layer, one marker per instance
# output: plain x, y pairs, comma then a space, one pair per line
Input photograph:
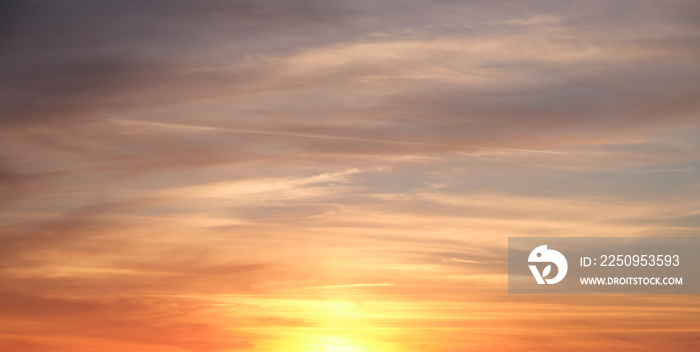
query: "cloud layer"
276, 176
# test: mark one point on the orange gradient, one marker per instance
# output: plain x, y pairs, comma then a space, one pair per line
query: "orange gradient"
335, 176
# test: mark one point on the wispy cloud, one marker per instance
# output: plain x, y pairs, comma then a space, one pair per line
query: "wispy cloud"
344, 286
196, 128
273, 176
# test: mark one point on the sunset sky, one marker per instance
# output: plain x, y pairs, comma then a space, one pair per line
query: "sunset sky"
337, 176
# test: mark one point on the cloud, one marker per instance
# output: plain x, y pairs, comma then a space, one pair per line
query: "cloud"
69, 60
265, 175
123, 320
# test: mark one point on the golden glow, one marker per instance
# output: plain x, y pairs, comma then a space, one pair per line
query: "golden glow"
337, 176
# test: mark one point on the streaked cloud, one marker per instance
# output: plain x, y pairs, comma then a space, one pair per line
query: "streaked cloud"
282, 176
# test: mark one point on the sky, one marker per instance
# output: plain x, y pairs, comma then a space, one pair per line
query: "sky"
338, 176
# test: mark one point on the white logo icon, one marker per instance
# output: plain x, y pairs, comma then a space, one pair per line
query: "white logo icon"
543, 255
